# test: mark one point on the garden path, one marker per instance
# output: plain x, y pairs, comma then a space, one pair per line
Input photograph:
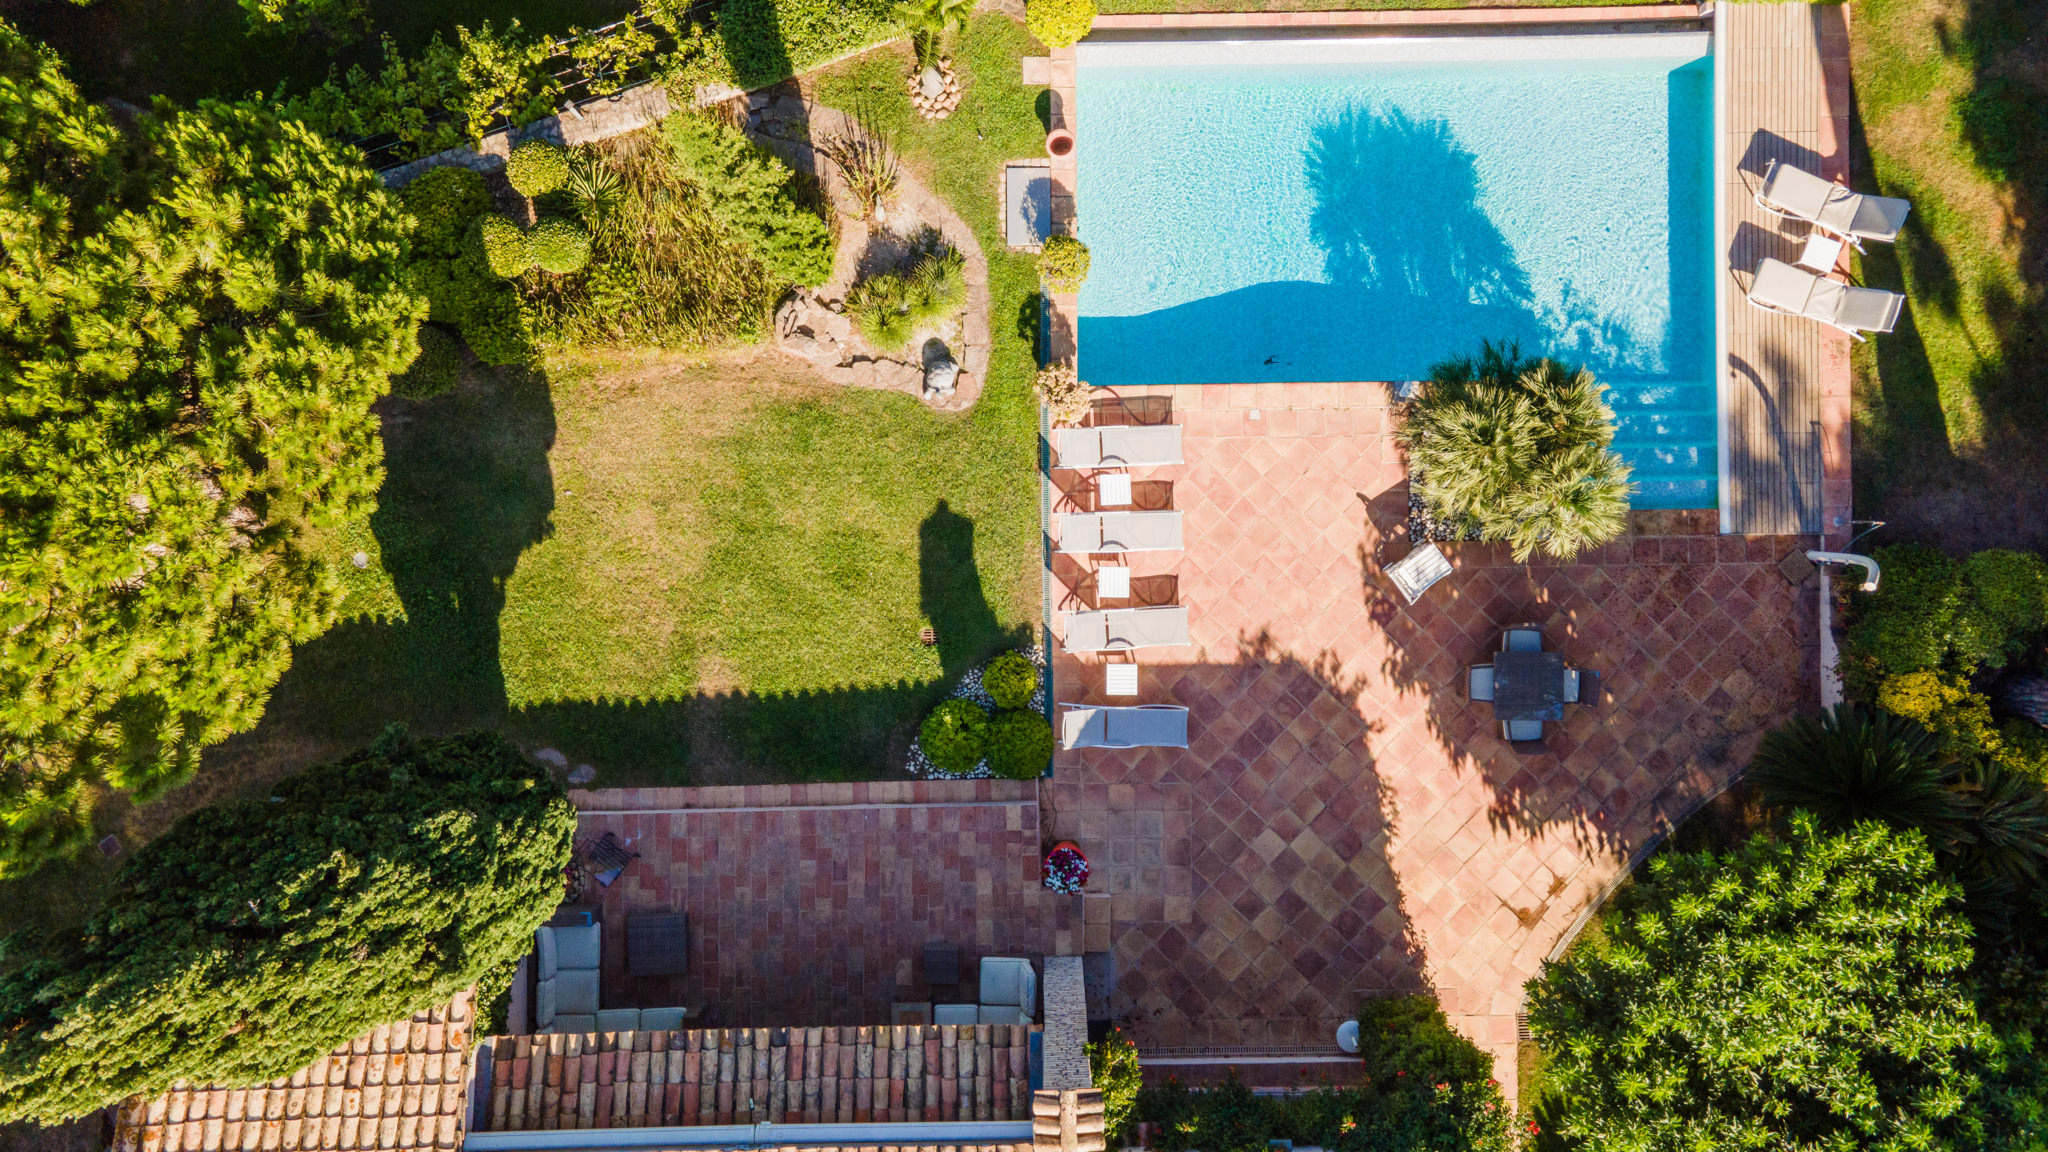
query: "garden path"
1345, 823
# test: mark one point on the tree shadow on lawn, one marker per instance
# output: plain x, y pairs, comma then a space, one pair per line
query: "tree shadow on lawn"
468, 490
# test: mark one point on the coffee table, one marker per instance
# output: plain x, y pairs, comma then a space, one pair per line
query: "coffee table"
657, 944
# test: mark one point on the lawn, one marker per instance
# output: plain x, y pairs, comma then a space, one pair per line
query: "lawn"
1951, 433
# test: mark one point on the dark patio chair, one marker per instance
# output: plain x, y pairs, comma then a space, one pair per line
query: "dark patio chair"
1582, 687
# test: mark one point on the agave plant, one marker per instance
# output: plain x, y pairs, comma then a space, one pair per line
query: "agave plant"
1854, 764
1518, 448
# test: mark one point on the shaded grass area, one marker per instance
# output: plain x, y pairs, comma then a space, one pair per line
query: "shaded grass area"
1951, 432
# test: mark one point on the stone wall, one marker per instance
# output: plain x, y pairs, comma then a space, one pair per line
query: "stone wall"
585, 123
1066, 1025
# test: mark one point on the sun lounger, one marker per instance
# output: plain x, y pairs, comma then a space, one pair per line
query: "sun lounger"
1119, 532
1118, 446
1127, 628
1801, 195
1779, 287
1133, 726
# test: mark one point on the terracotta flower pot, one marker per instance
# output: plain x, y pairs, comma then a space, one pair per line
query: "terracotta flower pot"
1065, 878
1059, 142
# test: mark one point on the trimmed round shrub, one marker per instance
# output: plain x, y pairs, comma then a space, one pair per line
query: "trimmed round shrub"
1059, 23
443, 202
433, 371
1011, 679
1019, 745
537, 168
558, 246
503, 246
955, 736
1064, 263
1061, 389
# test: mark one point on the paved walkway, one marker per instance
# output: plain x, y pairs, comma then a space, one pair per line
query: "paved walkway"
1344, 823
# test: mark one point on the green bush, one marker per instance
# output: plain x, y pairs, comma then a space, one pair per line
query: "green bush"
1518, 449
765, 41
1010, 679
955, 736
1944, 703
890, 309
1738, 990
1114, 1066
751, 195
1442, 1116
499, 245
1408, 1039
1059, 23
1932, 612
537, 168
1063, 262
256, 935
434, 370
558, 246
444, 201
1019, 745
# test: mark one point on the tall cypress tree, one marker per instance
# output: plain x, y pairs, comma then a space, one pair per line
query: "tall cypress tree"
196, 311
254, 936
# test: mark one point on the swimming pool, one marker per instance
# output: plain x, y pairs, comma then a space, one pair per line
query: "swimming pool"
1313, 210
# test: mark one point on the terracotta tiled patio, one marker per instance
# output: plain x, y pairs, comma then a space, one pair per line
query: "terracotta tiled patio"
1344, 823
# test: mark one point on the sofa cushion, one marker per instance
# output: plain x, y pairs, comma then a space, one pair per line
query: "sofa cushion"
1001, 1014
573, 1023
579, 946
662, 1019
544, 951
618, 1020
954, 1014
576, 990
1009, 980
543, 1003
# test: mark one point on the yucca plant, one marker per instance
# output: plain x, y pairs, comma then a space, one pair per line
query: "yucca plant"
1518, 449
931, 23
1855, 764
890, 308
867, 163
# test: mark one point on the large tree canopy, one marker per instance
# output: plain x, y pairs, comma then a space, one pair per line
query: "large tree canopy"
254, 936
1803, 993
196, 313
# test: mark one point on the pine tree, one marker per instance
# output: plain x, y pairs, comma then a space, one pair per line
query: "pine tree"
254, 936
195, 316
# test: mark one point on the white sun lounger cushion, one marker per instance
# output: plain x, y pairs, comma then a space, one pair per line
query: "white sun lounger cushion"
1127, 628
1779, 285
1119, 531
1135, 726
1797, 192
1118, 446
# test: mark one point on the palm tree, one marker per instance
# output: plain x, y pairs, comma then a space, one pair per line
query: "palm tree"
931, 23
1853, 765
1518, 448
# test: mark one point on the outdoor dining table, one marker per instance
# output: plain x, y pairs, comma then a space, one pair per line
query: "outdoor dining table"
1528, 686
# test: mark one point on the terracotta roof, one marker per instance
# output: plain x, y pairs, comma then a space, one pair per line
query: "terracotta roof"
846, 1075
401, 1086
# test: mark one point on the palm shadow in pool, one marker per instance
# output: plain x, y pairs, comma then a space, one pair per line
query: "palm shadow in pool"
1409, 255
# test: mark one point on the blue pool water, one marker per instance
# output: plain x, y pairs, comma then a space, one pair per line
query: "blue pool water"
1311, 221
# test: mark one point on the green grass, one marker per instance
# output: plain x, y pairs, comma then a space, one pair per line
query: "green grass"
1951, 432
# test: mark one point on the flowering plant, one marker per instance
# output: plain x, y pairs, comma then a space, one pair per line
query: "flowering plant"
1066, 870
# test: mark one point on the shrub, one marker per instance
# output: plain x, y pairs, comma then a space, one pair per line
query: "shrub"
1010, 679
2007, 602
1061, 389
1944, 703
1738, 989
256, 935
1933, 612
1518, 448
955, 736
434, 370
558, 246
500, 246
1114, 1066
750, 194
1408, 1039
443, 202
1019, 744
450, 270
1853, 765
201, 309
1063, 262
1059, 23
891, 309
1441, 1116
537, 168
867, 166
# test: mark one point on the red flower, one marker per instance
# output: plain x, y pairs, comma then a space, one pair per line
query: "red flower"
1533, 1129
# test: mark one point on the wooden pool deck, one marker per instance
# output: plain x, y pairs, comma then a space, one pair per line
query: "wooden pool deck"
1786, 380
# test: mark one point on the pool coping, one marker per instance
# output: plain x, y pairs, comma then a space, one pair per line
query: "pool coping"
1407, 17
